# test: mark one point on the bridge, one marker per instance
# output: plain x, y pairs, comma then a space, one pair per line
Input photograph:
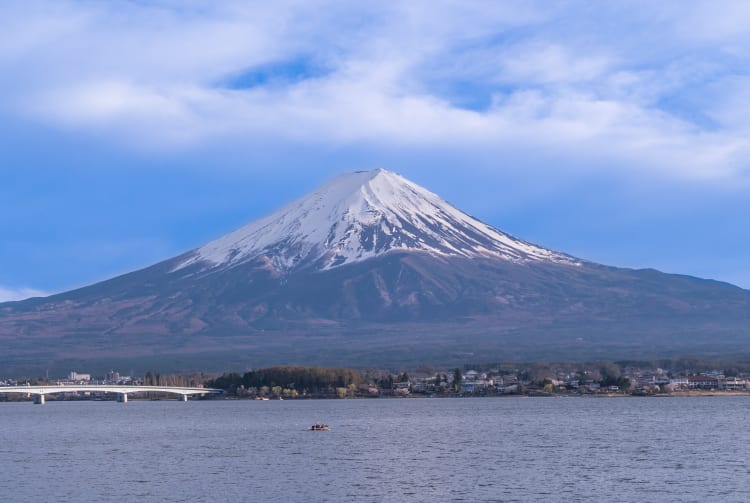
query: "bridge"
122, 392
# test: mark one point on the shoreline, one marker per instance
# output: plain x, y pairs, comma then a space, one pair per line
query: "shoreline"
677, 394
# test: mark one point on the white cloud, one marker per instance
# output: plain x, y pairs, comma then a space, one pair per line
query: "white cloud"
8, 294
588, 84
549, 64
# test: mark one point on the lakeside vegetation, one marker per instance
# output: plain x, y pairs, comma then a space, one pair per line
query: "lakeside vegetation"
536, 378
658, 377
289, 381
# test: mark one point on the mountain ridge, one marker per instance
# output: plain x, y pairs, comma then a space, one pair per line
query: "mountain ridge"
442, 285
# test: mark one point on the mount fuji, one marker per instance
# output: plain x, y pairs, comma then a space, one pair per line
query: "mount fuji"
360, 216
372, 269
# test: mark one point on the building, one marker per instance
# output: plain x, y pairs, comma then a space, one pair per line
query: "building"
734, 384
703, 382
75, 376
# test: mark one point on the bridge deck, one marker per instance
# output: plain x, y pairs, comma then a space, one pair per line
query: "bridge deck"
106, 388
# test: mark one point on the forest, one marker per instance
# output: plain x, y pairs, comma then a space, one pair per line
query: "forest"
300, 379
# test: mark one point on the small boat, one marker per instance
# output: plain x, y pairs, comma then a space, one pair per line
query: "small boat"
319, 427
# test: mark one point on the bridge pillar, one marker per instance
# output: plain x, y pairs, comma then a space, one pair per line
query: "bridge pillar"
39, 399
183, 398
122, 397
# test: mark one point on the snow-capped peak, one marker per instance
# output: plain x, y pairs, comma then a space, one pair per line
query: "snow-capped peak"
361, 215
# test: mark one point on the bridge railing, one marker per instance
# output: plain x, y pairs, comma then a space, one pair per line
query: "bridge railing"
122, 392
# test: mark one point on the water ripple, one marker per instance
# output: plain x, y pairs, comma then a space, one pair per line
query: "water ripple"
492, 450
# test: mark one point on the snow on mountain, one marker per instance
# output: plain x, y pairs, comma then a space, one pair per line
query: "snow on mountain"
361, 215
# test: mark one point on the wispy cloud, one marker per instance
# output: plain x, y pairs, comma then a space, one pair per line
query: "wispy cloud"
9, 294
607, 85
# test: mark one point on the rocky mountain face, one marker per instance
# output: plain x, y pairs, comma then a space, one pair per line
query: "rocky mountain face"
372, 269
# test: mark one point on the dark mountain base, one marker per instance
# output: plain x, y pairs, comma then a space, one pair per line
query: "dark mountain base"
400, 310
446, 345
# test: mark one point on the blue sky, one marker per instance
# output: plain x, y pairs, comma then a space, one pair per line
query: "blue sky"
130, 132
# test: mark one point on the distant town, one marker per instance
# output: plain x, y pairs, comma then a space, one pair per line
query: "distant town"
533, 379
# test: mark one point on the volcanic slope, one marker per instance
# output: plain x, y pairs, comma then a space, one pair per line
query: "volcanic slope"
372, 269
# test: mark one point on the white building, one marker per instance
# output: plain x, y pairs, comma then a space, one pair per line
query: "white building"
75, 376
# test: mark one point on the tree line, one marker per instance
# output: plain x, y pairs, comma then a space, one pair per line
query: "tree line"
176, 380
307, 379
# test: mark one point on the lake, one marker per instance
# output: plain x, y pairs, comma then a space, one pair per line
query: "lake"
446, 449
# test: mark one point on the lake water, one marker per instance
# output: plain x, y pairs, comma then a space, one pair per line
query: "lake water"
495, 449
